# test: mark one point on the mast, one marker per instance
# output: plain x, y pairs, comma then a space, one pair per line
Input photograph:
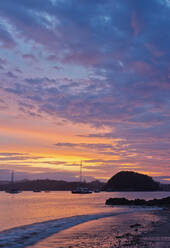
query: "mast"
81, 171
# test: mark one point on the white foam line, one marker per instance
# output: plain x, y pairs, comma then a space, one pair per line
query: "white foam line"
24, 236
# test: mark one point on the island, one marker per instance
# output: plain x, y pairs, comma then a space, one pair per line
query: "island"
131, 181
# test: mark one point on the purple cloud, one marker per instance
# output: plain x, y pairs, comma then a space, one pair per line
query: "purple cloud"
115, 59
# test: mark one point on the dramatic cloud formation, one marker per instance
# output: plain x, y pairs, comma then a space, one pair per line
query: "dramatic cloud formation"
91, 77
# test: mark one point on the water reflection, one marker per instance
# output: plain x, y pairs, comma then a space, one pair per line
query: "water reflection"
28, 207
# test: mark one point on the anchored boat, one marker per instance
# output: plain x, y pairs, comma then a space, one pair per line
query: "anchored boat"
11, 189
81, 190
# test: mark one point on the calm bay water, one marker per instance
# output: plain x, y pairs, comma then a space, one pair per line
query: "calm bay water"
29, 207
64, 208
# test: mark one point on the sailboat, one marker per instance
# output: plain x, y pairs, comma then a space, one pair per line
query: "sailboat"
81, 190
11, 189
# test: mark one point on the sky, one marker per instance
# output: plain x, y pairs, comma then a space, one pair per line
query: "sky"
84, 80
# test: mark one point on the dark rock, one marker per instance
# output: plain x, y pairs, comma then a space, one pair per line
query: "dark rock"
138, 202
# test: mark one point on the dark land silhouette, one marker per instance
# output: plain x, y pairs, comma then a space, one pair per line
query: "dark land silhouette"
122, 181
138, 202
131, 181
49, 185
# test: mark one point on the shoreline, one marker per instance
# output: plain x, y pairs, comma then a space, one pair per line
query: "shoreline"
129, 230
149, 228
146, 228
156, 233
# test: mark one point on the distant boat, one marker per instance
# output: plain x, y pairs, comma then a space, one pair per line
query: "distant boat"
81, 190
97, 191
109, 190
12, 190
36, 190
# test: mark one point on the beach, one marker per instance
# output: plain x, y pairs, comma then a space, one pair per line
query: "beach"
140, 229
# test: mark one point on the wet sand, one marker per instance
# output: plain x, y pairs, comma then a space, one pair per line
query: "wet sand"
128, 230
159, 235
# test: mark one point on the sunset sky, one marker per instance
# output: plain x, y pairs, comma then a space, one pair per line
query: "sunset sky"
84, 80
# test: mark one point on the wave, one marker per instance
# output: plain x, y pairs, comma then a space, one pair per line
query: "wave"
23, 236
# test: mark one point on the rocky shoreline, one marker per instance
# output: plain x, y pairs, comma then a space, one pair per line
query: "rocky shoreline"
155, 234
138, 202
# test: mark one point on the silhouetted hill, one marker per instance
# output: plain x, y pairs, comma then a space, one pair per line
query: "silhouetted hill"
131, 181
50, 185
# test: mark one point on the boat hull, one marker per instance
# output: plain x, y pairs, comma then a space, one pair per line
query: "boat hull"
81, 191
78, 192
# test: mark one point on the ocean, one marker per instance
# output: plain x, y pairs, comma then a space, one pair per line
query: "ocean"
52, 219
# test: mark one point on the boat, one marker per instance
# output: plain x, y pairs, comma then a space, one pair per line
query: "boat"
36, 190
97, 191
11, 189
81, 190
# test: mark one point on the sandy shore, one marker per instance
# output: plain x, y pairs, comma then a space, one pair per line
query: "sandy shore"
141, 229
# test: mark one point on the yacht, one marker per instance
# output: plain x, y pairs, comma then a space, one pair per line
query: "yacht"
11, 189
81, 190
97, 191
